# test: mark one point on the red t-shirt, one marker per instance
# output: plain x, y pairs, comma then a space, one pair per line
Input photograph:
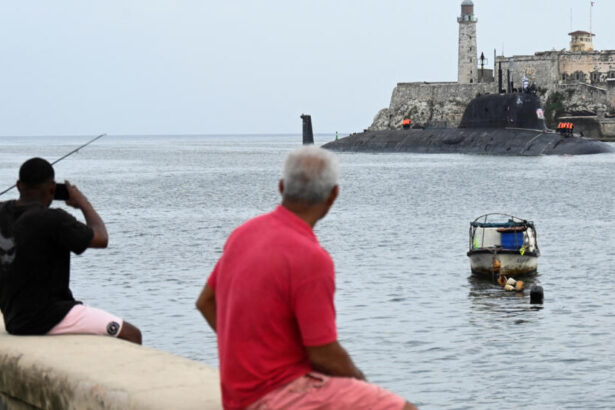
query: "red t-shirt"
274, 289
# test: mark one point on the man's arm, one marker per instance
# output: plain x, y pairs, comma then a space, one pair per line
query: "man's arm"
78, 200
332, 359
206, 304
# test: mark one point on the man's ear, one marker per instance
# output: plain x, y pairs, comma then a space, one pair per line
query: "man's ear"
50, 193
333, 195
281, 186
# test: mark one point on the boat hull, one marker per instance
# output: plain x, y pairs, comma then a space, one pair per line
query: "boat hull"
513, 263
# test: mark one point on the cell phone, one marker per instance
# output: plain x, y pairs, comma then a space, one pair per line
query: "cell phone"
61, 192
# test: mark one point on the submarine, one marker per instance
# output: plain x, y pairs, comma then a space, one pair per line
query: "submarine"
492, 124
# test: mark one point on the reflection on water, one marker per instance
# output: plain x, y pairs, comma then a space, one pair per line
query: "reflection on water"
486, 295
406, 309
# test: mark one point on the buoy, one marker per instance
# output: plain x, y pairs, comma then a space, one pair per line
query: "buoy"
536, 294
510, 284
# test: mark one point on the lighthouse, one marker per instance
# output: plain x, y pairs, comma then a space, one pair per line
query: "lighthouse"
467, 72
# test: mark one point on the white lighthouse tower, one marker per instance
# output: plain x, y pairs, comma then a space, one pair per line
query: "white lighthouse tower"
466, 67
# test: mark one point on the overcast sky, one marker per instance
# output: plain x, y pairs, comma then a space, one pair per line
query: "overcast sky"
75, 67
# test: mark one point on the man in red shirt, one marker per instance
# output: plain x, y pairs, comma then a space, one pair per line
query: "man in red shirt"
270, 301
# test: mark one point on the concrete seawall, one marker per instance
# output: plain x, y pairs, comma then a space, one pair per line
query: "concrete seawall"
99, 372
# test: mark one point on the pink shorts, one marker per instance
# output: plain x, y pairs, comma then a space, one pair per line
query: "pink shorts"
87, 320
317, 391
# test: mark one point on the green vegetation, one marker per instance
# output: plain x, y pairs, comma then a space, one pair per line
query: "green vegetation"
553, 108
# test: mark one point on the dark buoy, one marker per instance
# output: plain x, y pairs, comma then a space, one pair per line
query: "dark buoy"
536, 294
308, 135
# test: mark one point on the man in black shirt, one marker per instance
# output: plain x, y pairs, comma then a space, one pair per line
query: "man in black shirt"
35, 246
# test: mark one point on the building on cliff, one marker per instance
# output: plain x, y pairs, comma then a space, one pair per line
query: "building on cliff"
581, 41
576, 84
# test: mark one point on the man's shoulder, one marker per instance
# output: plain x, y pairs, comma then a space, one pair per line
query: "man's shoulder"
46, 218
262, 218
58, 213
316, 254
47, 213
257, 222
11, 211
5, 213
7, 206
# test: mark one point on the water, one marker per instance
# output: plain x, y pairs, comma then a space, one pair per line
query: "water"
408, 311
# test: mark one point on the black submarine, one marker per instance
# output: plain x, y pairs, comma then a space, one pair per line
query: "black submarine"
492, 124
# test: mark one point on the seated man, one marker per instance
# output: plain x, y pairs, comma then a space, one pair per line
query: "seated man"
270, 300
36, 243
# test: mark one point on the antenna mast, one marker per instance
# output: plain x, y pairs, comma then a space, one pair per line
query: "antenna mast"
591, 7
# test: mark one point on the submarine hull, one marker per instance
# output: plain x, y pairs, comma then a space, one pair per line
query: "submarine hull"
488, 141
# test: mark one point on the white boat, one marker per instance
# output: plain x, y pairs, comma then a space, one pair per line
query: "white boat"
503, 244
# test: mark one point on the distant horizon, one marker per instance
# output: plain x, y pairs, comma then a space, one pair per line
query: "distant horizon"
260, 134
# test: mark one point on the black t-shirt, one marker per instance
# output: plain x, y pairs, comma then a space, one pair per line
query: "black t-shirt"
35, 246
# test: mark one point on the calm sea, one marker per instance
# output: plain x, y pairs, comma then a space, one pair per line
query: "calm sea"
408, 311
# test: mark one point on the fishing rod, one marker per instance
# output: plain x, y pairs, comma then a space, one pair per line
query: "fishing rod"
60, 159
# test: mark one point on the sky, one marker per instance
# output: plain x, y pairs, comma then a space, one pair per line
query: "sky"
142, 67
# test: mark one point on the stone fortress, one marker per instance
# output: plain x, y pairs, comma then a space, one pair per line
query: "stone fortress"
576, 85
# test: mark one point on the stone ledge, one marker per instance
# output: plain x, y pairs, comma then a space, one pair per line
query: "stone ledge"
98, 372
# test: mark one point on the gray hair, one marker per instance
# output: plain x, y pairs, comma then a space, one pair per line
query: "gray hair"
310, 173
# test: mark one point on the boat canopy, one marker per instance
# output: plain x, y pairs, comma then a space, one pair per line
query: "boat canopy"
509, 224
512, 222
501, 231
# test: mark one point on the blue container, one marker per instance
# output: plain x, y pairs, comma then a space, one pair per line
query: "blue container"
512, 240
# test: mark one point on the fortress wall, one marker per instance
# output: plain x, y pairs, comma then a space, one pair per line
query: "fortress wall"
610, 92
587, 63
429, 104
415, 91
98, 372
607, 127
540, 69
584, 96
437, 92
546, 69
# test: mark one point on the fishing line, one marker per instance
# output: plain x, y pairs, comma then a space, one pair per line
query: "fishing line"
60, 159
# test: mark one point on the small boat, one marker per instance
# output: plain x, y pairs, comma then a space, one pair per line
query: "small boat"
502, 244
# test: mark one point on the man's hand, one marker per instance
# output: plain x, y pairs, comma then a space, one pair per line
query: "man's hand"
78, 200
206, 304
333, 360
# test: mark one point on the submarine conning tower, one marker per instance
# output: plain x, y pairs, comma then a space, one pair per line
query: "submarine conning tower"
516, 110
